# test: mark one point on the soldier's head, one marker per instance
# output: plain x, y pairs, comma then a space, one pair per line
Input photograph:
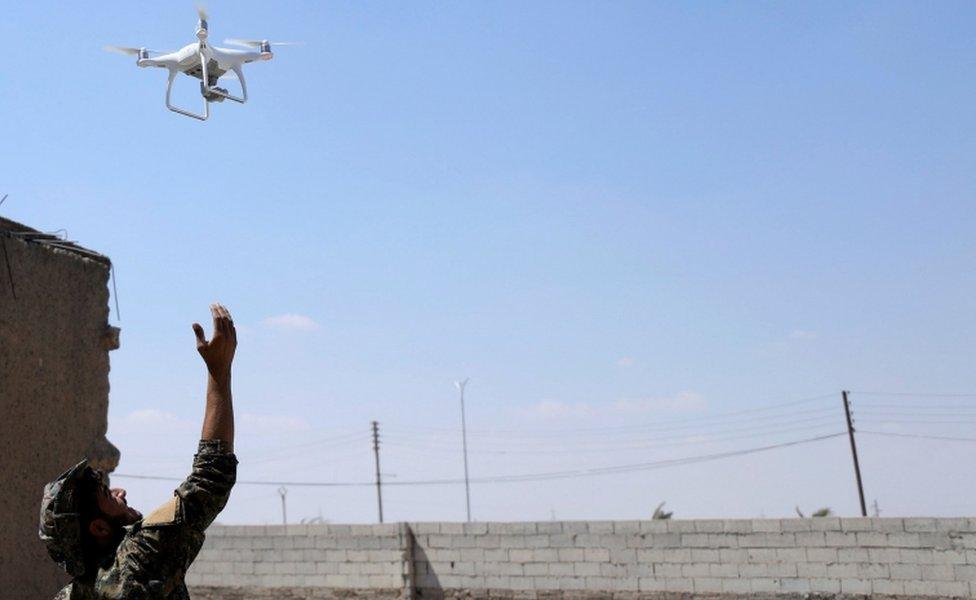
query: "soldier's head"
104, 510
81, 517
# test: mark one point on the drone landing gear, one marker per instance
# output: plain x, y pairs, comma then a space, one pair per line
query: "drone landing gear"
209, 93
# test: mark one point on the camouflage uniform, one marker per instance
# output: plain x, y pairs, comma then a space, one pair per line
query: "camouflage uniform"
155, 553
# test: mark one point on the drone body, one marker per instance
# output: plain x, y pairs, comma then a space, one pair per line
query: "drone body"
206, 63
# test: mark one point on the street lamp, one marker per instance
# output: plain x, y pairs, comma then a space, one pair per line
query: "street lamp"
464, 444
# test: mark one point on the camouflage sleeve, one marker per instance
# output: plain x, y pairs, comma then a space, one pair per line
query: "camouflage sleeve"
205, 492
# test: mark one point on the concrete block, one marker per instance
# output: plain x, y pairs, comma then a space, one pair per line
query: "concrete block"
887, 586
707, 585
512, 528
667, 570
597, 555
654, 526
680, 526
919, 556
938, 573
938, 540
905, 571
794, 585
468, 555
733, 555
723, 570
903, 540
575, 527
563, 569
761, 555
766, 525
737, 526
856, 555
622, 555
824, 586
585, 569
736, 586
693, 570
920, 524
709, 525
888, 524
872, 571
811, 570
842, 570
964, 572
626, 527
471, 529
871, 538
951, 589
547, 555
570, 554
825, 524
855, 586
723, 540
792, 555
705, 555
600, 527
949, 557
879, 555
522, 556
665, 540
510, 540
569, 583
795, 525
537, 541
498, 582
836, 539
955, 524
677, 555
679, 584
534, 568
488, 541
691, 540
562, 540
810, 538
857, 524
764, 584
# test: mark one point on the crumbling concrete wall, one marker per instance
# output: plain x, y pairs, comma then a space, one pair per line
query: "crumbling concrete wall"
54, 345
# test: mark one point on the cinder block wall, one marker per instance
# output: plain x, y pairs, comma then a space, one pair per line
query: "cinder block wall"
374, 559
647, 559
54, 345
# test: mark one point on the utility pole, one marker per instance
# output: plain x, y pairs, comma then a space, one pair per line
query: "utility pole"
877, 509
283, 491
857, 466
464, 444
376, 453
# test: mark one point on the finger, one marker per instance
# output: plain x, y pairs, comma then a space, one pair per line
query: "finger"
201, 338
215, 313
224, 318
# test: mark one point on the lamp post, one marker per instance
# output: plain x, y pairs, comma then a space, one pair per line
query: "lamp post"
464, 444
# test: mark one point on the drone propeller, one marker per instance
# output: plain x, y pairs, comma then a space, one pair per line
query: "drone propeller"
131, 51
260, 43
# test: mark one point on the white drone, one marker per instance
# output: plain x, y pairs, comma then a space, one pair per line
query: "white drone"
205, 62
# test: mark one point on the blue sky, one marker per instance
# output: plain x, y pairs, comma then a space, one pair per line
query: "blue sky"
607, 215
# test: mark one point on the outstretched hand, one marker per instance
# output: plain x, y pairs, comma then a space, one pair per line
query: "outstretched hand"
218, 353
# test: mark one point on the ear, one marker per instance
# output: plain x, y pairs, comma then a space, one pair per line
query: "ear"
100, 529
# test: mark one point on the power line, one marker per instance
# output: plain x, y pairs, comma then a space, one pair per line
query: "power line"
528, 477
919, 436
916, 394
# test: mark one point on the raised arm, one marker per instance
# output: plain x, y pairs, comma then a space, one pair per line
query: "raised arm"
218, 354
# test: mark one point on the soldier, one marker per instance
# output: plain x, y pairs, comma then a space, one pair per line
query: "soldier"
108, 547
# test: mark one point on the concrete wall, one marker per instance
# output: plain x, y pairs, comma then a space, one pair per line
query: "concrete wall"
54, 344
625, 559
